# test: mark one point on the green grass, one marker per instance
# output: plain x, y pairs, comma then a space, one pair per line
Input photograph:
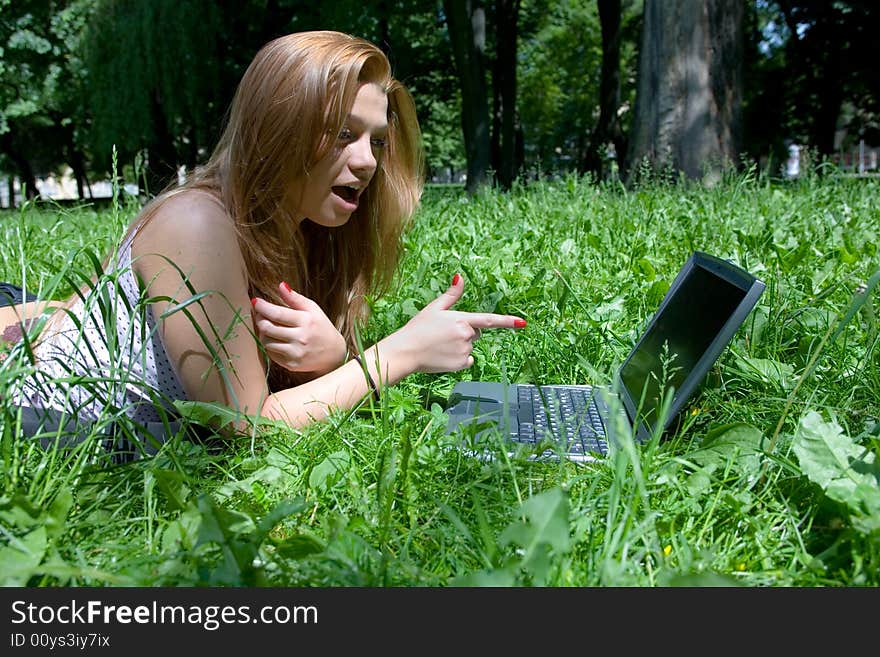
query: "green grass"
771, 479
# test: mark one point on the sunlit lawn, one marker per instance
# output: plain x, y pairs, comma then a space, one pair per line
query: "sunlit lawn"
770, 479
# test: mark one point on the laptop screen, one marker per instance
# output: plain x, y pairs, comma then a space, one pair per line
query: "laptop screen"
691, 319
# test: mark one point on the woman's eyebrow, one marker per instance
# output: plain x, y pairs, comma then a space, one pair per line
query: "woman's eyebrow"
355, 121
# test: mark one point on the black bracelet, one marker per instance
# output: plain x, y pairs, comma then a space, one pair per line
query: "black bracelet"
367, 375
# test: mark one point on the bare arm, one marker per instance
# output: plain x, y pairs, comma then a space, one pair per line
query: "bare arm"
15, 318
437, 339
210, 343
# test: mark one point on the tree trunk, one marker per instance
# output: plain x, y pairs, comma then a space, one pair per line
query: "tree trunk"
608, 128
27, 179
79, 174
162, 156
688, 100
466, 21
26, 174
75, 157
504, 159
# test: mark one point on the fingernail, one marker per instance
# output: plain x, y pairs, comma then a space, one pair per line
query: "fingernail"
286, 286
254, 301
456, 280
519, 323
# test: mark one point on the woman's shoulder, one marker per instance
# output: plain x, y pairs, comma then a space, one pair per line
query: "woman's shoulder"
192, 232
189, 209
186, 217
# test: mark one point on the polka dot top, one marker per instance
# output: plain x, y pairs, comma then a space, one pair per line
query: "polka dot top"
106, 354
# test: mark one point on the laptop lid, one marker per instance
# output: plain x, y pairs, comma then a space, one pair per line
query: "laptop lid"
707, 302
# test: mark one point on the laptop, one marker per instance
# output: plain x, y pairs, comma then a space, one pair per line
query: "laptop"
707, 302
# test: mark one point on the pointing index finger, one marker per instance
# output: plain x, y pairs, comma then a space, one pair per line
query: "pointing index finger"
491, 320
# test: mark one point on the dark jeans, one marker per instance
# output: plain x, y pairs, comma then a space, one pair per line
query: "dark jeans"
12, 294
124, 441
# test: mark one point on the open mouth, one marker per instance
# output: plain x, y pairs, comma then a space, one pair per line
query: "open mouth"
347, 193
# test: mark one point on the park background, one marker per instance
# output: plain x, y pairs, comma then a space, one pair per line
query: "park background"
578, 152
505, 90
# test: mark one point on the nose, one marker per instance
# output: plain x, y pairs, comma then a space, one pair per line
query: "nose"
362, 160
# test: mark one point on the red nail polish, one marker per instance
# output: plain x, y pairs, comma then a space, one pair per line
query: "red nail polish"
286, 286
456, 280
254, 302
519, 323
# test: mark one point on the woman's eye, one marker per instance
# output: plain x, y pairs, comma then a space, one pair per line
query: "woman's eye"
378, 143
345, 134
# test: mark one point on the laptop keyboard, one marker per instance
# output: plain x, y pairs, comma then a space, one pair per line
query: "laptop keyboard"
560, 414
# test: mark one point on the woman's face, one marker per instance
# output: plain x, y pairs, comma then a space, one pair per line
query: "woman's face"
337, 181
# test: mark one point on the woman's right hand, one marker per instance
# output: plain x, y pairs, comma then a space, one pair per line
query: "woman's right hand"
299, 336
439, 339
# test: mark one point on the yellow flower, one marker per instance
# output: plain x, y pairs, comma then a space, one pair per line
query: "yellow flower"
667, 550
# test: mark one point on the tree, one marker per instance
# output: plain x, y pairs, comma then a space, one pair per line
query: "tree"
608, 127
505, 156
466, 20
414, 35
560, 80
154, 82
23, 46
40, 81
688, 101
821, 57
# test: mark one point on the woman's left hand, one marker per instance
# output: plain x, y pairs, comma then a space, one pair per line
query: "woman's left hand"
299, 336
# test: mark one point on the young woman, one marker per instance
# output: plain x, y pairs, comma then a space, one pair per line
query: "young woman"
246, 285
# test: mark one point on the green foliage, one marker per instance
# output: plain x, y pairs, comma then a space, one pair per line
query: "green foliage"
62, 234
169, 94
769, 478
847, 471
816, 55
155, 72
239, 538
559, 74
558, 84
540, 534
24, 555
41, 78
155, 78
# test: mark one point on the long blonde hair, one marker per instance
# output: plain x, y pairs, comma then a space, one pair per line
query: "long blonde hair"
288, 108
